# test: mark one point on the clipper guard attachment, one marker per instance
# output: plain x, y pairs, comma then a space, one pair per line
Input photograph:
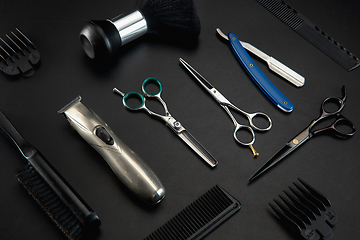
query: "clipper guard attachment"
18, 55
306, 211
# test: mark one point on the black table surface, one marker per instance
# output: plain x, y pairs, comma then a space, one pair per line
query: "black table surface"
329, 164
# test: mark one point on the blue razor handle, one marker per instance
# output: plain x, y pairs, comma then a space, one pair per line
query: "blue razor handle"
258, 76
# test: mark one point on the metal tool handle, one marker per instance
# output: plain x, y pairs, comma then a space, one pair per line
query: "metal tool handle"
258, 76
259, 115
125, 163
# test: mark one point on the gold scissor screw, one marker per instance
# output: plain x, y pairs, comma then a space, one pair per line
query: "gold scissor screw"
254, 152
251, 65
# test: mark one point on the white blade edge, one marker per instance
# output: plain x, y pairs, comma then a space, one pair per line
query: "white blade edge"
276, 66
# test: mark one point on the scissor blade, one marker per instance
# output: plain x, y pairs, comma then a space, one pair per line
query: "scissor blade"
198, 148
286, 150
197, 75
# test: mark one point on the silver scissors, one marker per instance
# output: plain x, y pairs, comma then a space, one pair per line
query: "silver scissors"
171, 122
226, 104
307, 133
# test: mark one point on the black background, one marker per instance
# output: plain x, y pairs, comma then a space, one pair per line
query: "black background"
329, 164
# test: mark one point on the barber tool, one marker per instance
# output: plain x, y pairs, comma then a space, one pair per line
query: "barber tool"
257, 75
171, 122
306, 211
308, 132
312, 33
59, 200
225, 104
134, 173
175, 20
199, 218
274, 65
18, 55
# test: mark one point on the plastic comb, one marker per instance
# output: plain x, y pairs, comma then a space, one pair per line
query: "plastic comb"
306, 211
199, 218
18, 55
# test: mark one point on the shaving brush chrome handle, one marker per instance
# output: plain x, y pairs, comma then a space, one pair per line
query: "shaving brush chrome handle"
101, 39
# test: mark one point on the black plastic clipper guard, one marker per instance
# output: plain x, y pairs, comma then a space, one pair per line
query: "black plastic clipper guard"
306, 211
18, 55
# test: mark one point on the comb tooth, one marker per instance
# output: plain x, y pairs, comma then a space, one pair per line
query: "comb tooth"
301, 206
180, 225
27, 39
316, 193
285, 219
16, 45
296, 211
6, 44
190, 225
306, 202
7, 53
311, 198
2, 57
26, 46
284, 12
291, 215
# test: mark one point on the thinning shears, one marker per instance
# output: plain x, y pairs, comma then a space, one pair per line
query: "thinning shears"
171, 122
226, 104
307, 133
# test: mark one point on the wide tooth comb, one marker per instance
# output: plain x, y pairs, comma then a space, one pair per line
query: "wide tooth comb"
18, 55
199, 218
307, 211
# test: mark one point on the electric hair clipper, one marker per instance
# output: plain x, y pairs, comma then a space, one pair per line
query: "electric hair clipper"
126, 164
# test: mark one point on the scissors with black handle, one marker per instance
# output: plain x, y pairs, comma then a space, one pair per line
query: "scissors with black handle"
226, 104
171, 122
346, 131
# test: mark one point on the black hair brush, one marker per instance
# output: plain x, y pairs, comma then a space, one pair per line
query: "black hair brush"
174, 20
66, 208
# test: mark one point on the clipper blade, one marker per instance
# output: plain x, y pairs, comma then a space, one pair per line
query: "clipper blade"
200, 217
306, 211
18, 55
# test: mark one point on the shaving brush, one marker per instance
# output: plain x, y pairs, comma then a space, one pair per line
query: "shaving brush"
175, 20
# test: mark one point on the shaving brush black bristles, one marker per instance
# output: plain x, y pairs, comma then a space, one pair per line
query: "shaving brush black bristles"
173, 20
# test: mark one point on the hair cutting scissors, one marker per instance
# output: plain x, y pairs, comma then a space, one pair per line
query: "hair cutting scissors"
308, 133
175, 125
226, 104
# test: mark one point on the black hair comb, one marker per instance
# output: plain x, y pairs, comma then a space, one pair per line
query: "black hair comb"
199, 218
306, 211
18, 55
66, 208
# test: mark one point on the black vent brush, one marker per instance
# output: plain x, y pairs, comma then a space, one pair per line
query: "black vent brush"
174, 20
66, 208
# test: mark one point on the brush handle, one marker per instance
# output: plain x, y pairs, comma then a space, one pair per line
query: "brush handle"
11, 133
49, 174
134, 173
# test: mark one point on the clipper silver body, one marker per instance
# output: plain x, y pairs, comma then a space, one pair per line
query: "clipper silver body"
134, 173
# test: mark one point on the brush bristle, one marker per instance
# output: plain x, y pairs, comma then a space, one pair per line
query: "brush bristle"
175, 19
50, 202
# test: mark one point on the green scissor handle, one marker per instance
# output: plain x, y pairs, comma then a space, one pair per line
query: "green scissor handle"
151, 80
133, 95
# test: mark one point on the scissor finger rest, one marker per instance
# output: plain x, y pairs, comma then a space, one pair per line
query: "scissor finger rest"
133, 95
